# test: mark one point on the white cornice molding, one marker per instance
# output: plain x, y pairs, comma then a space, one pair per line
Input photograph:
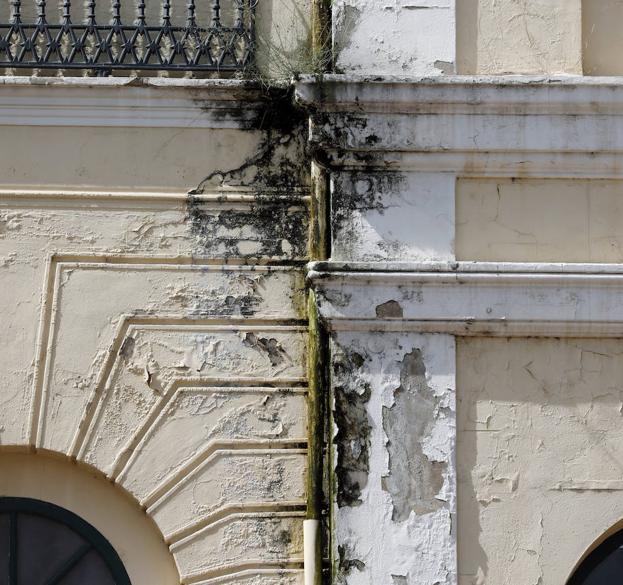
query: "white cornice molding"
505, 94
473, 298
483, 126
129, 102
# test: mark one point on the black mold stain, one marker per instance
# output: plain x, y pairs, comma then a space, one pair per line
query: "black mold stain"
274, 173
389, 310
353, 429
346, 564
278, 163
362, 192
268, 346
413, 481
271, 223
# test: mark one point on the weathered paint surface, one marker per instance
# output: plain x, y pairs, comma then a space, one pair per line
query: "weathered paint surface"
394, 300
154, 312
539, 446
520, 220
401, 37
393, 415
378, 216
600, 40
496, 37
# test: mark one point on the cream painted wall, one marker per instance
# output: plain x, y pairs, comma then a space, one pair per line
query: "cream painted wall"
601, 37
519, 36
538, 220
86, 493
153, 311
540, 455
117, 159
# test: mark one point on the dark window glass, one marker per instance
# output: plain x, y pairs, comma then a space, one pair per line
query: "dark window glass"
603, 566
42, 544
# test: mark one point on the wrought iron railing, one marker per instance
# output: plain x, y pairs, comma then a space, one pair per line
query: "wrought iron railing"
108, 35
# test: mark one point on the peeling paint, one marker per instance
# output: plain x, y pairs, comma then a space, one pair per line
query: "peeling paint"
268, 346
389, 310
414, 481
353, 430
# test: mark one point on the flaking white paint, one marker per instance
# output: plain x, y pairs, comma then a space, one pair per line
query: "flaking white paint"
374, 547
394, 37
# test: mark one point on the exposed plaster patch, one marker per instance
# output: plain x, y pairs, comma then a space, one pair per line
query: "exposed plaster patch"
421, 547
389, 310
414, 480
446, 67
127, 348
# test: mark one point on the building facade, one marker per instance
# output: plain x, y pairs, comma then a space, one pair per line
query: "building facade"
322, 292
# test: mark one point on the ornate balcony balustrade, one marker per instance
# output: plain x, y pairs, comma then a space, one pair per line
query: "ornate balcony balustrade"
108, 35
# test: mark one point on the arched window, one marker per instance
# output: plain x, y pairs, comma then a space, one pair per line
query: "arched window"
43, 544
603, 565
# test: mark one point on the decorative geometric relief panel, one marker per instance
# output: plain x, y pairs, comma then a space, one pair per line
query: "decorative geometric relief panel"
153, 372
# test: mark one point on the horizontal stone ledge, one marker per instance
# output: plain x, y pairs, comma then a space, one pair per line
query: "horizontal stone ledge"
463, 266
500, 299
476, 163
473, 328
131, 102
462, 94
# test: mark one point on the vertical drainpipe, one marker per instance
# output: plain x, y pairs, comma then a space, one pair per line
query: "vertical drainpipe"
316, 408
317, 352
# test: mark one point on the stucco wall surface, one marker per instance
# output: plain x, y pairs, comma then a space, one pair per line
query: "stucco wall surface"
398, 37
153, 313
539, 418
519, 36
601, 43
538, 455
393, 458
532, 220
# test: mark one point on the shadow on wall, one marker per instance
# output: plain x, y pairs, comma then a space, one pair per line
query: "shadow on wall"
602, 42
467, 37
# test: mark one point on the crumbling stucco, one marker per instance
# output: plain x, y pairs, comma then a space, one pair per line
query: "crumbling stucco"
161, 334
413, 480
399, 527
402, 37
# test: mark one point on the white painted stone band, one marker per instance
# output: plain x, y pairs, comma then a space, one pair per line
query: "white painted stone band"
128, 103
587, 302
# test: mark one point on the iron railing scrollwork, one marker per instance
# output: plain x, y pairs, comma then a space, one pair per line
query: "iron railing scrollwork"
108, 35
